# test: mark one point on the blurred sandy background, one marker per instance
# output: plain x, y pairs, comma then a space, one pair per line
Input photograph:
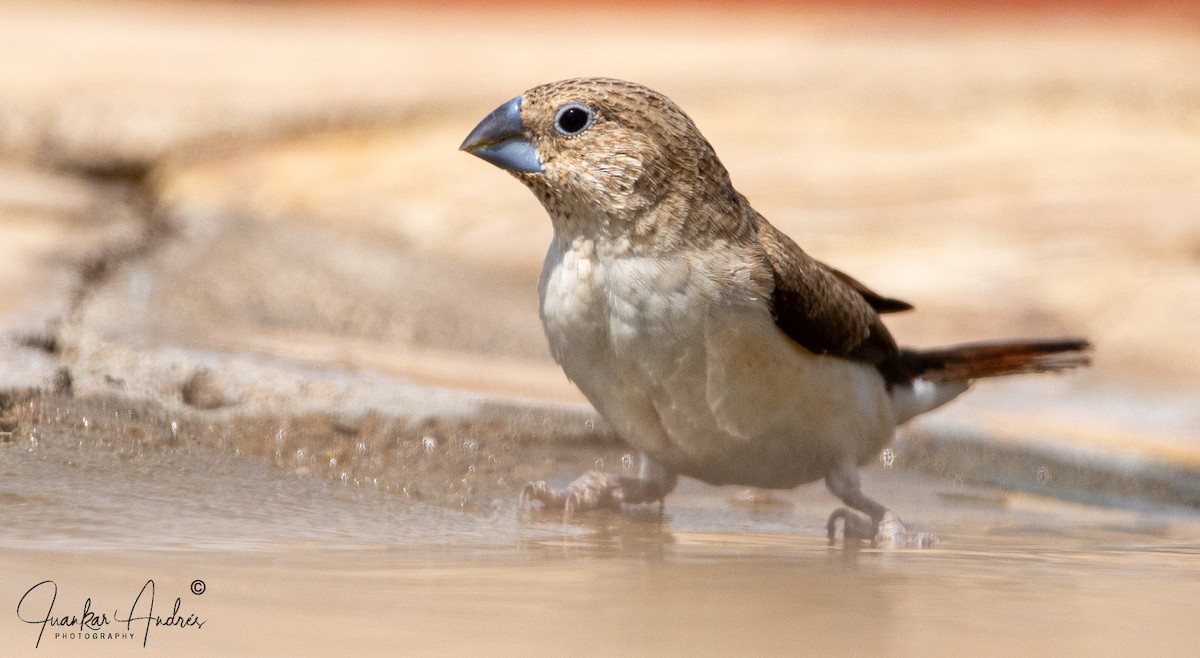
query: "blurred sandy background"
1010, 172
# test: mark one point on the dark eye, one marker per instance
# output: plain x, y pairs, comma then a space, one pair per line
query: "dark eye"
573, 118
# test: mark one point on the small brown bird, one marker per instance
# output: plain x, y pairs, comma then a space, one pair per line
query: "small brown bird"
707, 338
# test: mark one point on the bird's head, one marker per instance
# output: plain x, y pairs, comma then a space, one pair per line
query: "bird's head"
602, 155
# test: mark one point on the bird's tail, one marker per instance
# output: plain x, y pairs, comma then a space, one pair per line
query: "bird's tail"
942, 374
996, 359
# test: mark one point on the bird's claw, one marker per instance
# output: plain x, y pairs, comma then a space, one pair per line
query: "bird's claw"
592, 490
888, 533
534, 491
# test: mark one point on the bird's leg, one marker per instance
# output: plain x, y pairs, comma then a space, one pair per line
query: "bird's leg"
881, 527
595, 489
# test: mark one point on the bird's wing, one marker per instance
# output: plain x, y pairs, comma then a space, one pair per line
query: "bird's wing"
877, 301
826, 311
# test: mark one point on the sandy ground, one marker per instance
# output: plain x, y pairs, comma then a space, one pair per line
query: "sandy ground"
242, 254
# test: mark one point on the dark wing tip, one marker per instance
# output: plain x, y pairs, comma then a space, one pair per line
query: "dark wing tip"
886, 304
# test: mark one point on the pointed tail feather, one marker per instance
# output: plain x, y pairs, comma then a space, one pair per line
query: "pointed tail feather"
961, 363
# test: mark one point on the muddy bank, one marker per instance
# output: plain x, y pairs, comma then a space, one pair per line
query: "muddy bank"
475, 460
101, 496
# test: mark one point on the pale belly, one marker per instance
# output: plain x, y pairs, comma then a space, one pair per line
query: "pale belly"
701, 380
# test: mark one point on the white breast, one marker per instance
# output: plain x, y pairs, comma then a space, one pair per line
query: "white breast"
696, 374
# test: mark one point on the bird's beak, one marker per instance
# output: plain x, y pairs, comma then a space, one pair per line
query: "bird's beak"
500, 139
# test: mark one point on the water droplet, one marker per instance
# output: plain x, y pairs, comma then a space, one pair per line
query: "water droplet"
332, 463
279, 436
600, 464
86, 424
589, 424
471, 469
430, 444
470, 445
300, 454
888, 457
1043, 475
344, 477
174, 431
361, 448
627, 461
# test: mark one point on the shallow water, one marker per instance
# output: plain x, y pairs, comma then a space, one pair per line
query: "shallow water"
307, 565
697, 596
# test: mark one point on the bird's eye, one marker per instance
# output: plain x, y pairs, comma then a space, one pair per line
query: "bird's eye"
573, 118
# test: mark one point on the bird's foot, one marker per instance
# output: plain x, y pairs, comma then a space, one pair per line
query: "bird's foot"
888, 533
593, 490
891, 533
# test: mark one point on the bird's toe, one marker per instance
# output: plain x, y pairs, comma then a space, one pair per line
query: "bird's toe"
854, 526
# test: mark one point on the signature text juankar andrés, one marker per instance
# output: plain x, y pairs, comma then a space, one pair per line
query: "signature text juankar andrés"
37, 607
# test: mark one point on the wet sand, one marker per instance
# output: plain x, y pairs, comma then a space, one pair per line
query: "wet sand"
264, 327
302, 565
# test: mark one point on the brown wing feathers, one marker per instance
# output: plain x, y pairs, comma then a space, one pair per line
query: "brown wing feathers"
877, 301
829, 312
817, 308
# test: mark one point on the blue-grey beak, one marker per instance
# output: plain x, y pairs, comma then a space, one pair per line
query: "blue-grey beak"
500, 139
